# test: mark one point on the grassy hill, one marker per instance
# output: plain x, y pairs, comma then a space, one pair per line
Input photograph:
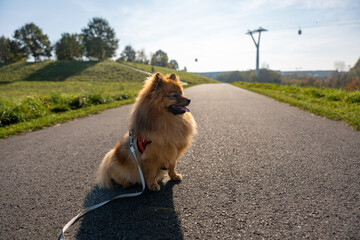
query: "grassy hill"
23, 79
191, 78
35, 95
19, 80
58, 71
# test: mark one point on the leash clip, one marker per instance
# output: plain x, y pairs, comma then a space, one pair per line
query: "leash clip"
131, 144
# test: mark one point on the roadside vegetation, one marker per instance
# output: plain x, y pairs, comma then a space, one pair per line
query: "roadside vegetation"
349, 81
39, 111
37, 95
335, 104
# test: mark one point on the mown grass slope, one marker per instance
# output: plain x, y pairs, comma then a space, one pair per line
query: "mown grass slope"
191, 78
35, 95
58, 71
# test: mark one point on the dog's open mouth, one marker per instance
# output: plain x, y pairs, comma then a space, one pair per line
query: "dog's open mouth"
175, 109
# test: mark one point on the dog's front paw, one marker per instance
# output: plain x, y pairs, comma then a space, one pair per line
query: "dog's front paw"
154, 187
176, 177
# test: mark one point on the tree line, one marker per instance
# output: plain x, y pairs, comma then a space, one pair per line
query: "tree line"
97, 41
265, 76
345, 80
339, 79
159, 58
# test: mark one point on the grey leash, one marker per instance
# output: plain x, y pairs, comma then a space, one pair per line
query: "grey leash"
89, 209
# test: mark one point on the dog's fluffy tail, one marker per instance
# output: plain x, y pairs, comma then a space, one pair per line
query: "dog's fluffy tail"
103, 178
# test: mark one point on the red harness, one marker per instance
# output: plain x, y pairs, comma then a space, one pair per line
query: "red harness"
142, 143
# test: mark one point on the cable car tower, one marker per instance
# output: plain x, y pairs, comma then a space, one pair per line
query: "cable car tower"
259, 30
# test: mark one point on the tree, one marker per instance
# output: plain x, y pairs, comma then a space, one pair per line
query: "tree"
69, 47
128, 54
173, 64
354, 72
99, 39
339, 66
4, 49
31, 41
10, 51
141, 57
309, 81
16, 53
160, 58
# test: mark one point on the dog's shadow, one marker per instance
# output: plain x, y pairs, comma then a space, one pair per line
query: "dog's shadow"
149, 216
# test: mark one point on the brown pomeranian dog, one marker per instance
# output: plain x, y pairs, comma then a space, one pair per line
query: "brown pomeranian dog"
162, 128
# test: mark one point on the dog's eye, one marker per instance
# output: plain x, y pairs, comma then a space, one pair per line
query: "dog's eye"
174, 96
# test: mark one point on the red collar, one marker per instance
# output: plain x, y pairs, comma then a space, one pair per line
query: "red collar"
142, 143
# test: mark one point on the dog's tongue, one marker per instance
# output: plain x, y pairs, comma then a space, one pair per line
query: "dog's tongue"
184, 109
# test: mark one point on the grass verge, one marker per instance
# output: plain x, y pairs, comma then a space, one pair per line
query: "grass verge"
330, 103
54, 118
37, 95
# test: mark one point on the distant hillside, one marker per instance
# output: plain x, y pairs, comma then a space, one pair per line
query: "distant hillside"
191, 78
57, 71
319, 73
264, 76
212, 75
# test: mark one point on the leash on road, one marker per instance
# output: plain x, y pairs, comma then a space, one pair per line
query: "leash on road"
89, 209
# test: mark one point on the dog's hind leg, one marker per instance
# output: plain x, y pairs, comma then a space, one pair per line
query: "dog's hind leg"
173, 174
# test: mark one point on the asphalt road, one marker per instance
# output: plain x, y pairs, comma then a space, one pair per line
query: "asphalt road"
258, 169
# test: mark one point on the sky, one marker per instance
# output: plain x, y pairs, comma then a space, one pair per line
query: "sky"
211, 31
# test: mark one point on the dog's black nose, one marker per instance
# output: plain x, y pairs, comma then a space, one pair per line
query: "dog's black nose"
188, 101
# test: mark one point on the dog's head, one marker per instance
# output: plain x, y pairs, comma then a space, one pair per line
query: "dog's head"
167, 93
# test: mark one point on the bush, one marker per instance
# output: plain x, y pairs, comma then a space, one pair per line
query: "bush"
335, 96
57, 102
7, 114
32, 107
36, 106
78, 102
97, 98
121, 97
29, 108
353, 97
315, 93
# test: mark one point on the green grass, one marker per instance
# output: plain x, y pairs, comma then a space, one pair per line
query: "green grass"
38, 111
59, 71
20, 89
331, 103
190, 78
55, 118
37, 95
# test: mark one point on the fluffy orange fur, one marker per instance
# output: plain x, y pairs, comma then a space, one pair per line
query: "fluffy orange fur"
151, 118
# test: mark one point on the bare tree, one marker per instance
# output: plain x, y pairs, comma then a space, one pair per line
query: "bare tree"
265, 65
340, 66
141, 57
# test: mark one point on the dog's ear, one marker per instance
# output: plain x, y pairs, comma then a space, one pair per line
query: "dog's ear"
157, 80
173, 77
